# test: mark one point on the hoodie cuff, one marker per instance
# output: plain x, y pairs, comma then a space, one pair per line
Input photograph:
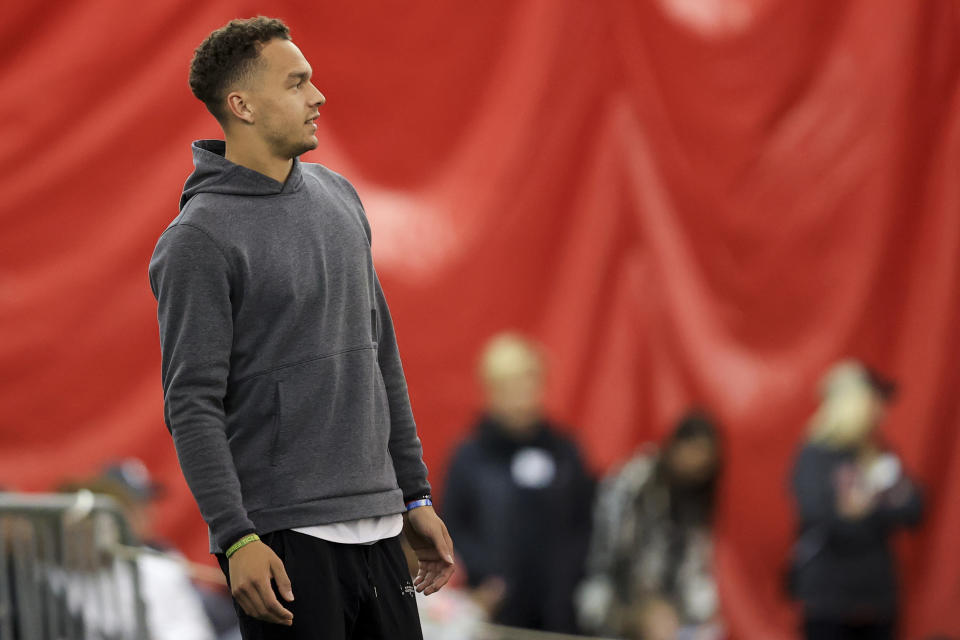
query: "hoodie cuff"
418, 493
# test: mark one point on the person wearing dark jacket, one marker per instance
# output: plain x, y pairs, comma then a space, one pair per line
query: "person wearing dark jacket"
851, 496
517, 497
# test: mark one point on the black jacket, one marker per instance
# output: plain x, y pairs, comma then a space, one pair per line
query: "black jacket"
530, 530
845, 568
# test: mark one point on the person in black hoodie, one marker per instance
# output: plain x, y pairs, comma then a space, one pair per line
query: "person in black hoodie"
518, 497
851, 494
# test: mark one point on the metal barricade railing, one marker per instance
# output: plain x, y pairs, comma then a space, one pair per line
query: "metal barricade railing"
61, 577
68, 571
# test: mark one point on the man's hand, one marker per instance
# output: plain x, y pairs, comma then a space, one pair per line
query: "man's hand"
429, 539
251, 569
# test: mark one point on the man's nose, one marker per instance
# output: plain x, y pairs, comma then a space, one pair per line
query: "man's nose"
320, 99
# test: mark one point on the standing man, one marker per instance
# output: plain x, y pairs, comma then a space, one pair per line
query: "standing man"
283, 388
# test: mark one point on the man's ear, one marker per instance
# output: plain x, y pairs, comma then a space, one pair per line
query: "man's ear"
238, 106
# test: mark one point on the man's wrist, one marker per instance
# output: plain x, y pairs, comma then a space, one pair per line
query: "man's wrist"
241, 543
420, 501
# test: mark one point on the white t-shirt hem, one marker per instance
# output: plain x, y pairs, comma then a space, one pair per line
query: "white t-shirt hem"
360, 531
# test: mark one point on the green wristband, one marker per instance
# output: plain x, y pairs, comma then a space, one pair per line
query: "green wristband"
242, 542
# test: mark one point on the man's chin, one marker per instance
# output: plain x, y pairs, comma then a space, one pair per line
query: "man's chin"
309, 145
293, 148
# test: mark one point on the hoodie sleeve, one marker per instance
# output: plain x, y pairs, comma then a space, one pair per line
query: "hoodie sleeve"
190, 279
405, 448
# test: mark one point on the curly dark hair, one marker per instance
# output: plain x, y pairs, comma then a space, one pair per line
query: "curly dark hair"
227, 55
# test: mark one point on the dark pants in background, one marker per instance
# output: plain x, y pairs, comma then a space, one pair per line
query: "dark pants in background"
341, 591
815, 629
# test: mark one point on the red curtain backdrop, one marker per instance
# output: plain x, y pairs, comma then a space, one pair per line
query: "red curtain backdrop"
685, 201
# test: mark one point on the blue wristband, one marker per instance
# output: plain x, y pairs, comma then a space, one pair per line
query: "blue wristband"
423, 502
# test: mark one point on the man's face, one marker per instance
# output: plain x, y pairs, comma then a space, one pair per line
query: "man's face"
284, 100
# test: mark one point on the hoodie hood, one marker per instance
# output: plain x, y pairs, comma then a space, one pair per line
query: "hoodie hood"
213, 173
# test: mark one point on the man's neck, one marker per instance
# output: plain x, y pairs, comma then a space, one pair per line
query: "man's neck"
258, 159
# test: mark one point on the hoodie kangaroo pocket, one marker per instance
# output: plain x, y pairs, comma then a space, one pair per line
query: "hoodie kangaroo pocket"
332, 429
252, 429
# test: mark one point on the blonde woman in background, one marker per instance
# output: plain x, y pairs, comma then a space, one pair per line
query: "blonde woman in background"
852, 494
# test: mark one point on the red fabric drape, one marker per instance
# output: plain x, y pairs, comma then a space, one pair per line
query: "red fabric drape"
686, 201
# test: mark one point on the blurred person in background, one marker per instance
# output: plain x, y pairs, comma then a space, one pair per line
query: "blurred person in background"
852, 493
517, 497
175, 608
650, 568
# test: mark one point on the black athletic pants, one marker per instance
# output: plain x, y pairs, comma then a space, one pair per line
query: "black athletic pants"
341, 591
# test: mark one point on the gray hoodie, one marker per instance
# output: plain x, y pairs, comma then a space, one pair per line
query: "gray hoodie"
283, 388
